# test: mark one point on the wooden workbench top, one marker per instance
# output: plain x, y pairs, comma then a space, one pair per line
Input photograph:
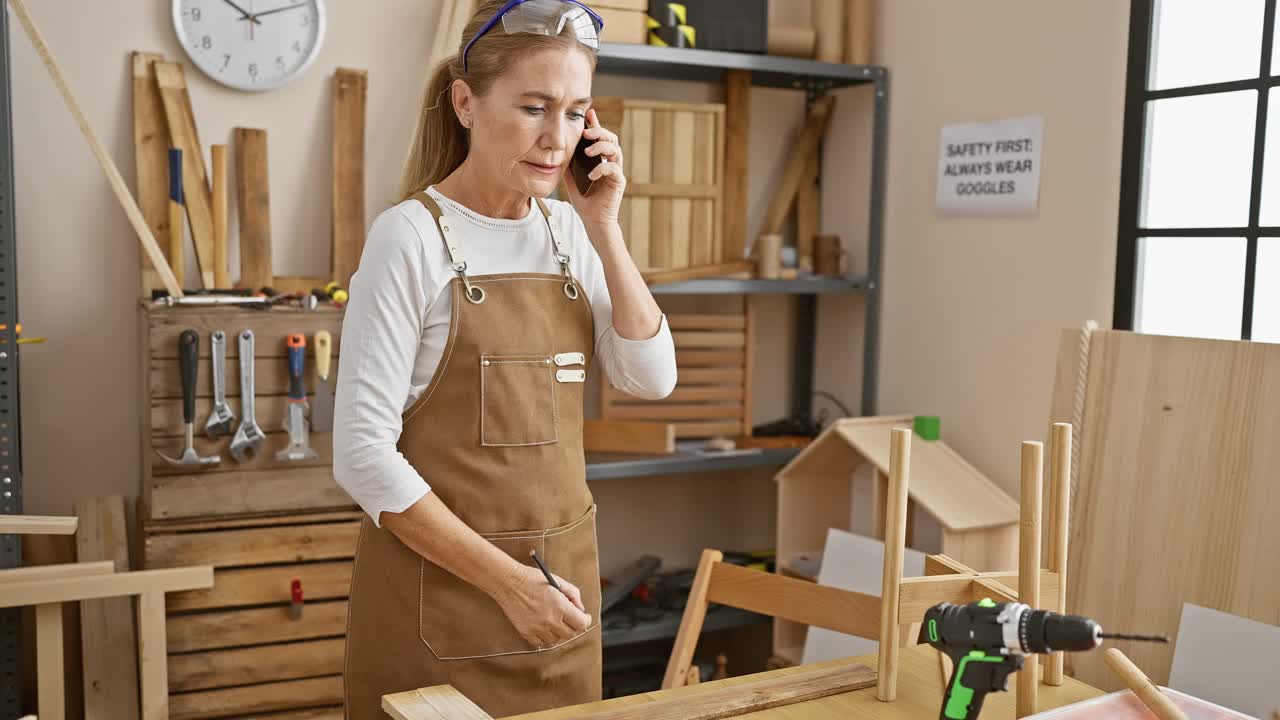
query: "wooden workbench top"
919, 696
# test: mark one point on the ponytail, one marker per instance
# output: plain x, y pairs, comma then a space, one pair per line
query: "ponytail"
440, 143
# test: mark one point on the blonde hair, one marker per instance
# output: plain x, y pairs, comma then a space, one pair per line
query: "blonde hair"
440, 142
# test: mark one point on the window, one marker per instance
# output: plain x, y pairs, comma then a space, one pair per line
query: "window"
1199, 235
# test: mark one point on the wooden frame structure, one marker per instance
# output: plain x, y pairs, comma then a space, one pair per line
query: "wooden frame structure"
905, 601
47, 587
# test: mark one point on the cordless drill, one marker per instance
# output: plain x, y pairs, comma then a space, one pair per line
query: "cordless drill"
988, 641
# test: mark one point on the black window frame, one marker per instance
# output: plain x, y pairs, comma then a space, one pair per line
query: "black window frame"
1137, 97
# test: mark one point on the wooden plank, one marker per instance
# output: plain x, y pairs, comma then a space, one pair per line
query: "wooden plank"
829, 23
297, 284
808, 211
248, 492
252, 665
440, 702
712, 701
151, 159
257, 546
921, 593
218, 166
153, 674
214, 630
195, 179
1177, 495
49, 661
661, 245
706, 322
695, 613
654, 277
266, 585
270, 329
717, 164
801, 151
350, 95
737, 151
692, 190
265, 459
987, 549
253, 700
634, 437
270, 377
685, 395
107, 632
254, 198
253, 521
709, 358
709, 339
711, 376
749, 361
860, 24
795, 600
41, 554
320, 713
690, 430
37, 525
166, 415
683, 147
663, 411
72, 589
48, 572
639, 127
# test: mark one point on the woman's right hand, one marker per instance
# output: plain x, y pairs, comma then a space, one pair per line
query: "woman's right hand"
542, 615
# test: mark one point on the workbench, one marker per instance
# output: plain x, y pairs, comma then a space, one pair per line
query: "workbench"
919, 696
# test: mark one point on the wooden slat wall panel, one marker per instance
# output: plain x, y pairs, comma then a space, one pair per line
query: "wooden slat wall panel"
639, 125
265, 585
683, 145
252, 665
661, 252
214, 630
270, 328
201, 496
256, 699
256, 546
270, 377
166, 415
277, 439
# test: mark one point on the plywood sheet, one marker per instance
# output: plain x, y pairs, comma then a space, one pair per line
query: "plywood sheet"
1177, 494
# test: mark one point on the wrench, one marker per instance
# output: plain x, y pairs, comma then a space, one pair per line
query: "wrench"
222, 419
295, 422
249, 436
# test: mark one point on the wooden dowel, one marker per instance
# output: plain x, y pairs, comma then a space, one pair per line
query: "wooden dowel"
1141, 685
1060, 512
131, 210
221, 273
1029, 563
895, 539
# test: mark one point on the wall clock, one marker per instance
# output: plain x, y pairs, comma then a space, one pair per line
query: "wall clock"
250, 44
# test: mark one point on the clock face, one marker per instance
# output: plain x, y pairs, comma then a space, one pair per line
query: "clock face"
250, 44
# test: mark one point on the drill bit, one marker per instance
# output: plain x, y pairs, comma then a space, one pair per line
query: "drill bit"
1138, 638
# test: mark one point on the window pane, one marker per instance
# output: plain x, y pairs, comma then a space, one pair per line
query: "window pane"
1266, 292
1199, 160
1271, 164
1190, 286
1195, 42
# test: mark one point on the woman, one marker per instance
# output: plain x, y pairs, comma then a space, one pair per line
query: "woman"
475, 313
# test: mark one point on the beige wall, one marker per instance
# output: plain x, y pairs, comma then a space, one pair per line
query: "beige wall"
971, 307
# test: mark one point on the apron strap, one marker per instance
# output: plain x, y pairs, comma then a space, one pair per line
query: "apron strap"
560, 251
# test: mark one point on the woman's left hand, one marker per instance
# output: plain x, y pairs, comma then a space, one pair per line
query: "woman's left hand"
603, 201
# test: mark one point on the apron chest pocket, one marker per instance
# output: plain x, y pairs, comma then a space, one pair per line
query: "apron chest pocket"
458, 622
517, 401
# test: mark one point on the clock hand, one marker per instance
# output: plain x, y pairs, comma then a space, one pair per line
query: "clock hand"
272, 11
244, 14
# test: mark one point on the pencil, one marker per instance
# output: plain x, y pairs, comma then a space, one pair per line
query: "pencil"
534, 554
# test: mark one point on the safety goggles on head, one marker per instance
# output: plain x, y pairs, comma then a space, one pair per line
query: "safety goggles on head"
544, 17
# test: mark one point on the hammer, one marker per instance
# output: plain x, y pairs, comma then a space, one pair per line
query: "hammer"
188, 352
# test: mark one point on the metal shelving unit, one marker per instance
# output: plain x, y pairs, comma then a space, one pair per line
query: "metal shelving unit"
814, 79
10, 420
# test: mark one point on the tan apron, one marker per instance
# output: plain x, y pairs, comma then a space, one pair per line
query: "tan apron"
498, 436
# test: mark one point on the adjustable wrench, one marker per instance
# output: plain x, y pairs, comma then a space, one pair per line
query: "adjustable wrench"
221, 419
295, 422
249, 436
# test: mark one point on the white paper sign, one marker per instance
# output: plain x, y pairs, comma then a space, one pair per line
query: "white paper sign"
991, 169
1228, 660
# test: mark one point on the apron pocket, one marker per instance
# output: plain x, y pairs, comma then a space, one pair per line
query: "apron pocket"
458, 622
517, 401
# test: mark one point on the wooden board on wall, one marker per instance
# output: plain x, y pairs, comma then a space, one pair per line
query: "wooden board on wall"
195, 178
151, 160
1176, 497
350, 93
253, 194
108, 636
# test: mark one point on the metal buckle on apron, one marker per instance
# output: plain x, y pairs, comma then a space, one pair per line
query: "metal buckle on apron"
562, 255
474, 293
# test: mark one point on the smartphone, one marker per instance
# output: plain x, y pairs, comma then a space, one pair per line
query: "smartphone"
582, 164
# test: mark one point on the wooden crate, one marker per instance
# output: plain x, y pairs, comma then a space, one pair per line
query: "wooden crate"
674, 155
713, 394
234, 649
623, 25
230, 489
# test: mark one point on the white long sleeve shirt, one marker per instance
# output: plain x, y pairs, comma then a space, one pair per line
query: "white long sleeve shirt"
397, 324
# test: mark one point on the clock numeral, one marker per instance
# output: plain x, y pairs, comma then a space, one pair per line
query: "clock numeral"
197, 14
306, 20
206, 42
297, 46
226, 60
280, 61
253, 70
